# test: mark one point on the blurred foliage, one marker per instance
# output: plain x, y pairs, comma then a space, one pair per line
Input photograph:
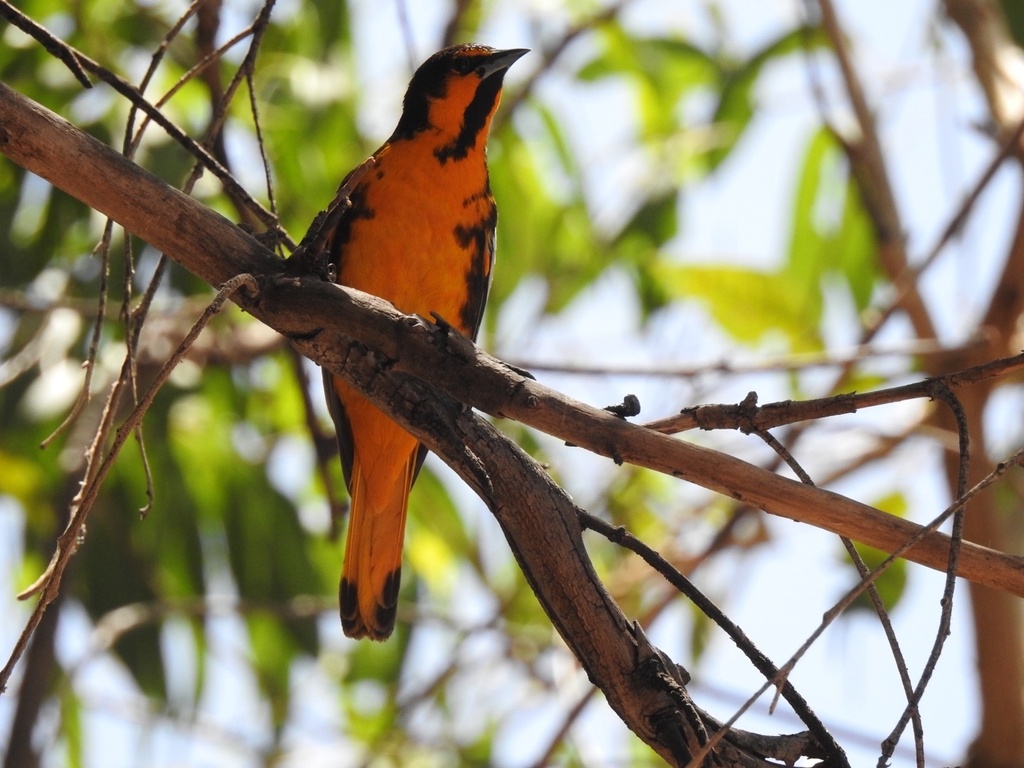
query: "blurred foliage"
892, 584
238, 509
1014, 12
831, 240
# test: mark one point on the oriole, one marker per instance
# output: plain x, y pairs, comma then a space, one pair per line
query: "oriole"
419, 233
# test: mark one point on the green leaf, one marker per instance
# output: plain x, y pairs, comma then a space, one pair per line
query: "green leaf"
481, 750
635, 499
1013, 10
672, 66
749, 304
639, 245
857, 249
273, 649
371, 715
657, 220
71, 727
831, 231
550, 235
117, 569
807, 240
21, 479
436, 541
701, 632
735, 106
662, 73
557, 140
892, 584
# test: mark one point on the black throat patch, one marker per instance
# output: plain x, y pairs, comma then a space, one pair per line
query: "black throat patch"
474, 120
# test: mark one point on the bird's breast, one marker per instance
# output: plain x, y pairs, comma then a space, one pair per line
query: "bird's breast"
421, 232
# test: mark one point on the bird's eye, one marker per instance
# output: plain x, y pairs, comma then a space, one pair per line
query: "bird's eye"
462, 66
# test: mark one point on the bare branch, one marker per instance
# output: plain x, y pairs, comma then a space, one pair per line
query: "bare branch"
748, 416
390, 357
729, 366
762, 663
322, 318
912, 710
997, 60
138, 100
48, 585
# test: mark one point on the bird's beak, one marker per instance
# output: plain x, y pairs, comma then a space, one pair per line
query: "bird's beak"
499, 61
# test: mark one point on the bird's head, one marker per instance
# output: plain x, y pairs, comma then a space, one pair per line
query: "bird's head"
454, 93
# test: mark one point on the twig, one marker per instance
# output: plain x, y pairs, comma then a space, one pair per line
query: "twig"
135, 319
85, 394
48, 585
729, 367
258, 127
867, 164
54, 45
621, 536
876, 602
134, 323
959, 218
208, 161
243, 73
1015, 460
195, 70
749, 416
322, 319
113, 625
131, 143
946, 614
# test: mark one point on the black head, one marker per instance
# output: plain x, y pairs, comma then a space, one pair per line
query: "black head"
455, 92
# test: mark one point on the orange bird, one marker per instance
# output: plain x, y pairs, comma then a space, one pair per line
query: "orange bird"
419, 233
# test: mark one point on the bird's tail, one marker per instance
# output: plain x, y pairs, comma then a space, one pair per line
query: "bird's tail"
372, 572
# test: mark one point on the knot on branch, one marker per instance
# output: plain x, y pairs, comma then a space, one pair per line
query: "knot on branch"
678, 727
629, 407
741, 416
654, 662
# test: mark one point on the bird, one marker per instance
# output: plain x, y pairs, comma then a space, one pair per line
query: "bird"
419, 231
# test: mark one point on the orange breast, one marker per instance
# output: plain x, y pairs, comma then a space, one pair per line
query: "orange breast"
410, 245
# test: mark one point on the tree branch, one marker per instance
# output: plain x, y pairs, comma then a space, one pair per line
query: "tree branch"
867, 164
748, 416
391, 356
322, 319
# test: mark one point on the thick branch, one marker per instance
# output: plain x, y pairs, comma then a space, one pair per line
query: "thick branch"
476, 378
322, 319
998, 619
544, 531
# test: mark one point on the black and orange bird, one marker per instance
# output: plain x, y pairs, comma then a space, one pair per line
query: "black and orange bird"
419, 233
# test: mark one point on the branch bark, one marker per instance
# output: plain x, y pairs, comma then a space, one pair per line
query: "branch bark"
322, 319
391, 356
